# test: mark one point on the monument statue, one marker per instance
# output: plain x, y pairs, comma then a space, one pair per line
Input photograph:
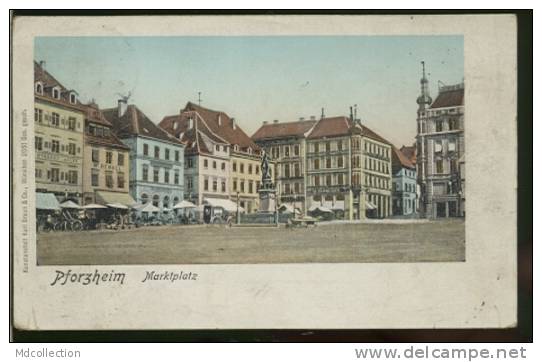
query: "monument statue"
266, 176
267, 188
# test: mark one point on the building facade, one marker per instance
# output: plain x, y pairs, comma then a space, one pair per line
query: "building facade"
156, 157
58, 131
286, 145
222, 161
440, 151
106, 162
404, 190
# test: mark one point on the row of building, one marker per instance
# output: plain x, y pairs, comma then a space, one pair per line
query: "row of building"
118, 155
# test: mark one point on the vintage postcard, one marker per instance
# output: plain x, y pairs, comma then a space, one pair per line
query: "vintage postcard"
191, 172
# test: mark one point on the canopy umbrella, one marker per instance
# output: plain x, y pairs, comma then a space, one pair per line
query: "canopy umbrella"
94, 206
69, 204
149, 208
117, 206
324, 209
165, 209
184, 205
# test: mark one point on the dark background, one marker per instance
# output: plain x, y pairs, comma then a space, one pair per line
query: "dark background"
522, 333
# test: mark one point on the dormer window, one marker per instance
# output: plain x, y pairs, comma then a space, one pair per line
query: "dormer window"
236, 148
249, 150
73, 99
39, 88
56, 93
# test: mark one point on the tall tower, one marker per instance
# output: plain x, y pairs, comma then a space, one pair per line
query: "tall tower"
424, 100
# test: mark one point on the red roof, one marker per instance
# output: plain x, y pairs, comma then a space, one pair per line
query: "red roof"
409, 152
449, 98
95, 115
283, 130
342, 126
135, 123
49, 82
398, 159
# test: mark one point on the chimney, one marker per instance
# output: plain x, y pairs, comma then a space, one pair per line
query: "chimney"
351, 114
219, 120
301, 119
313, 118
233, 123
190, 123
275, 121
323, 115
265, 122
122, 107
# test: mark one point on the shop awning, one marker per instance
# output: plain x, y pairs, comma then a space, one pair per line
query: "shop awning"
108, 197
46, 201
184, 205
69, 205
227, 205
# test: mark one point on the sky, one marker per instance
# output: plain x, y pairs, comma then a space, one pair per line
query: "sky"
256, 79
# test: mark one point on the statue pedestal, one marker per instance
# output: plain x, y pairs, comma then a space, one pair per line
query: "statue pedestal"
268, 199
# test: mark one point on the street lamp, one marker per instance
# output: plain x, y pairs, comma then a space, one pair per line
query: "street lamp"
238, 216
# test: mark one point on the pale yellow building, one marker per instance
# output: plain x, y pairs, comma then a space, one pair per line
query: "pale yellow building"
58, 131
106, 162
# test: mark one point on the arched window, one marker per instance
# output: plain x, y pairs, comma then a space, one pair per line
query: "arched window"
39, 88
72, 98
165, 202
156, 200
175, 200
144, 198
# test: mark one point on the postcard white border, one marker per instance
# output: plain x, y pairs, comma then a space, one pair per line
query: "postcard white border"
478, 293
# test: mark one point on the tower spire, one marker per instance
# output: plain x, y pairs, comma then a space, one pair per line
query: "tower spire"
424, 100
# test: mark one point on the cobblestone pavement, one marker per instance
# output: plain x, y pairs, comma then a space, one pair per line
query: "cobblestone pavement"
431, 241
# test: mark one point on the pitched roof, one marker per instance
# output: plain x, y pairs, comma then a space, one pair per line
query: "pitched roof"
283, 130
49, 82
398, 159
224, 126
449, 98
331, 127
95, 115
135, 123
409, 152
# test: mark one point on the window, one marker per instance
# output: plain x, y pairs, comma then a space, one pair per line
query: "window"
225, 148
223, 186
144, 198
176, 177
205, 163
72, 98
242, 186
439, 166
451, 146
316, 148
56, 93
316, 180
328, 162
453, 166
177, 155
438, 126
214, 165
145, 173
156, 152
190, 163
234, 185
120, 159
145, 149
166, 176
328, 146
55, 119
340, 145
317, 164
71, 123
287, 151
297, 171
206, 184
54, 175
287, 189
217, 148
286, 171
340, 162
242, 167
167, 153
38, 115
234, 166
155, 174
71, 149
72, 177
215, 185
38, 143
340, 179
296, 150
328, 180
452, 124
438, 146
223, 166
189, 183
109, 179
156, 200
95, 155
250, 169
109, 157
95, 178
55, 146
39, 88
120, 180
